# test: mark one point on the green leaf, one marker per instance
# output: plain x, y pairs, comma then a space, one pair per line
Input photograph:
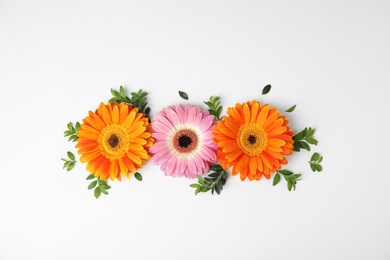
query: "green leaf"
183, 95
200, 179
71, 155
122, 92
91, 176
289, 184
291, 109
266, 89
315, 157
104, 187
103, 191
70, 166
311, 140
217, 188
276, 179
194, 185
305, 145
92, 185
313, 167
216, 167
97, 192
285, 172
138, 176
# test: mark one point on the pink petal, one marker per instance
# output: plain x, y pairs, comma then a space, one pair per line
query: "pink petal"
173, 117
161, 128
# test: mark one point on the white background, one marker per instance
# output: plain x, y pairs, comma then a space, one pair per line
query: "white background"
59, 59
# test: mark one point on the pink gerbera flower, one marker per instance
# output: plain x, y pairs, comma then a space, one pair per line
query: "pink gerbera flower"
183, 141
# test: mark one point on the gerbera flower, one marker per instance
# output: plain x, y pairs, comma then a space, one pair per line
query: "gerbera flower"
184, 141
114, 140
253, 139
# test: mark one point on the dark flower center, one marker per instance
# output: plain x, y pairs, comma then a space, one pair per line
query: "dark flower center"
184, 141
252, 139
113, 140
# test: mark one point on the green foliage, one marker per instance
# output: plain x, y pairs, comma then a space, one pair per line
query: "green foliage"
215, 107
72, 132
70, 162
138, 176
289, 176
138, 99
183, 95
304, 138
315, 161
100, 186
291, 109
213, 181
266, 89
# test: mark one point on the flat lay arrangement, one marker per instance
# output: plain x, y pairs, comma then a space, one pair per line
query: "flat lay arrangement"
252, 140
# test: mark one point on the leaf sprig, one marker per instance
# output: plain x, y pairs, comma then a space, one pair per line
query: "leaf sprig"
304, 138
315, 161
72, 132
289, 176
99, 185
69, 164
138, 99
215, 107
213, 181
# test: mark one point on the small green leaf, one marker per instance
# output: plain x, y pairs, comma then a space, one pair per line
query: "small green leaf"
183, 95
122, 92
286, 172
194, 185
97, 192
70, 166
266, 89
138, 176
217, 188
200, 179
291, 109
104, 187
216, 167
305, 145
71, 155
92, 185
91, 176
103, 191
315, 157
289, 184
276, 179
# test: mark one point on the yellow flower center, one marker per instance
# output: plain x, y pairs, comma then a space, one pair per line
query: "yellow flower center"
252, 139
114, 141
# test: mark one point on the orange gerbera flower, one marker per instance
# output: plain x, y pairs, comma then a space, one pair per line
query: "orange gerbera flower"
253, 139
114, 140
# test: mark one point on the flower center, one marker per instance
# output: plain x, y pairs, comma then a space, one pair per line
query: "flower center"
252, 139
114, 141
185, 141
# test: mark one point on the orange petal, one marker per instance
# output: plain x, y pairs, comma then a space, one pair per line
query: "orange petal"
253, 165
114, 170
115, 115
247, 113
263, 115
254, 110
129, 119
123, 112
104, 113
